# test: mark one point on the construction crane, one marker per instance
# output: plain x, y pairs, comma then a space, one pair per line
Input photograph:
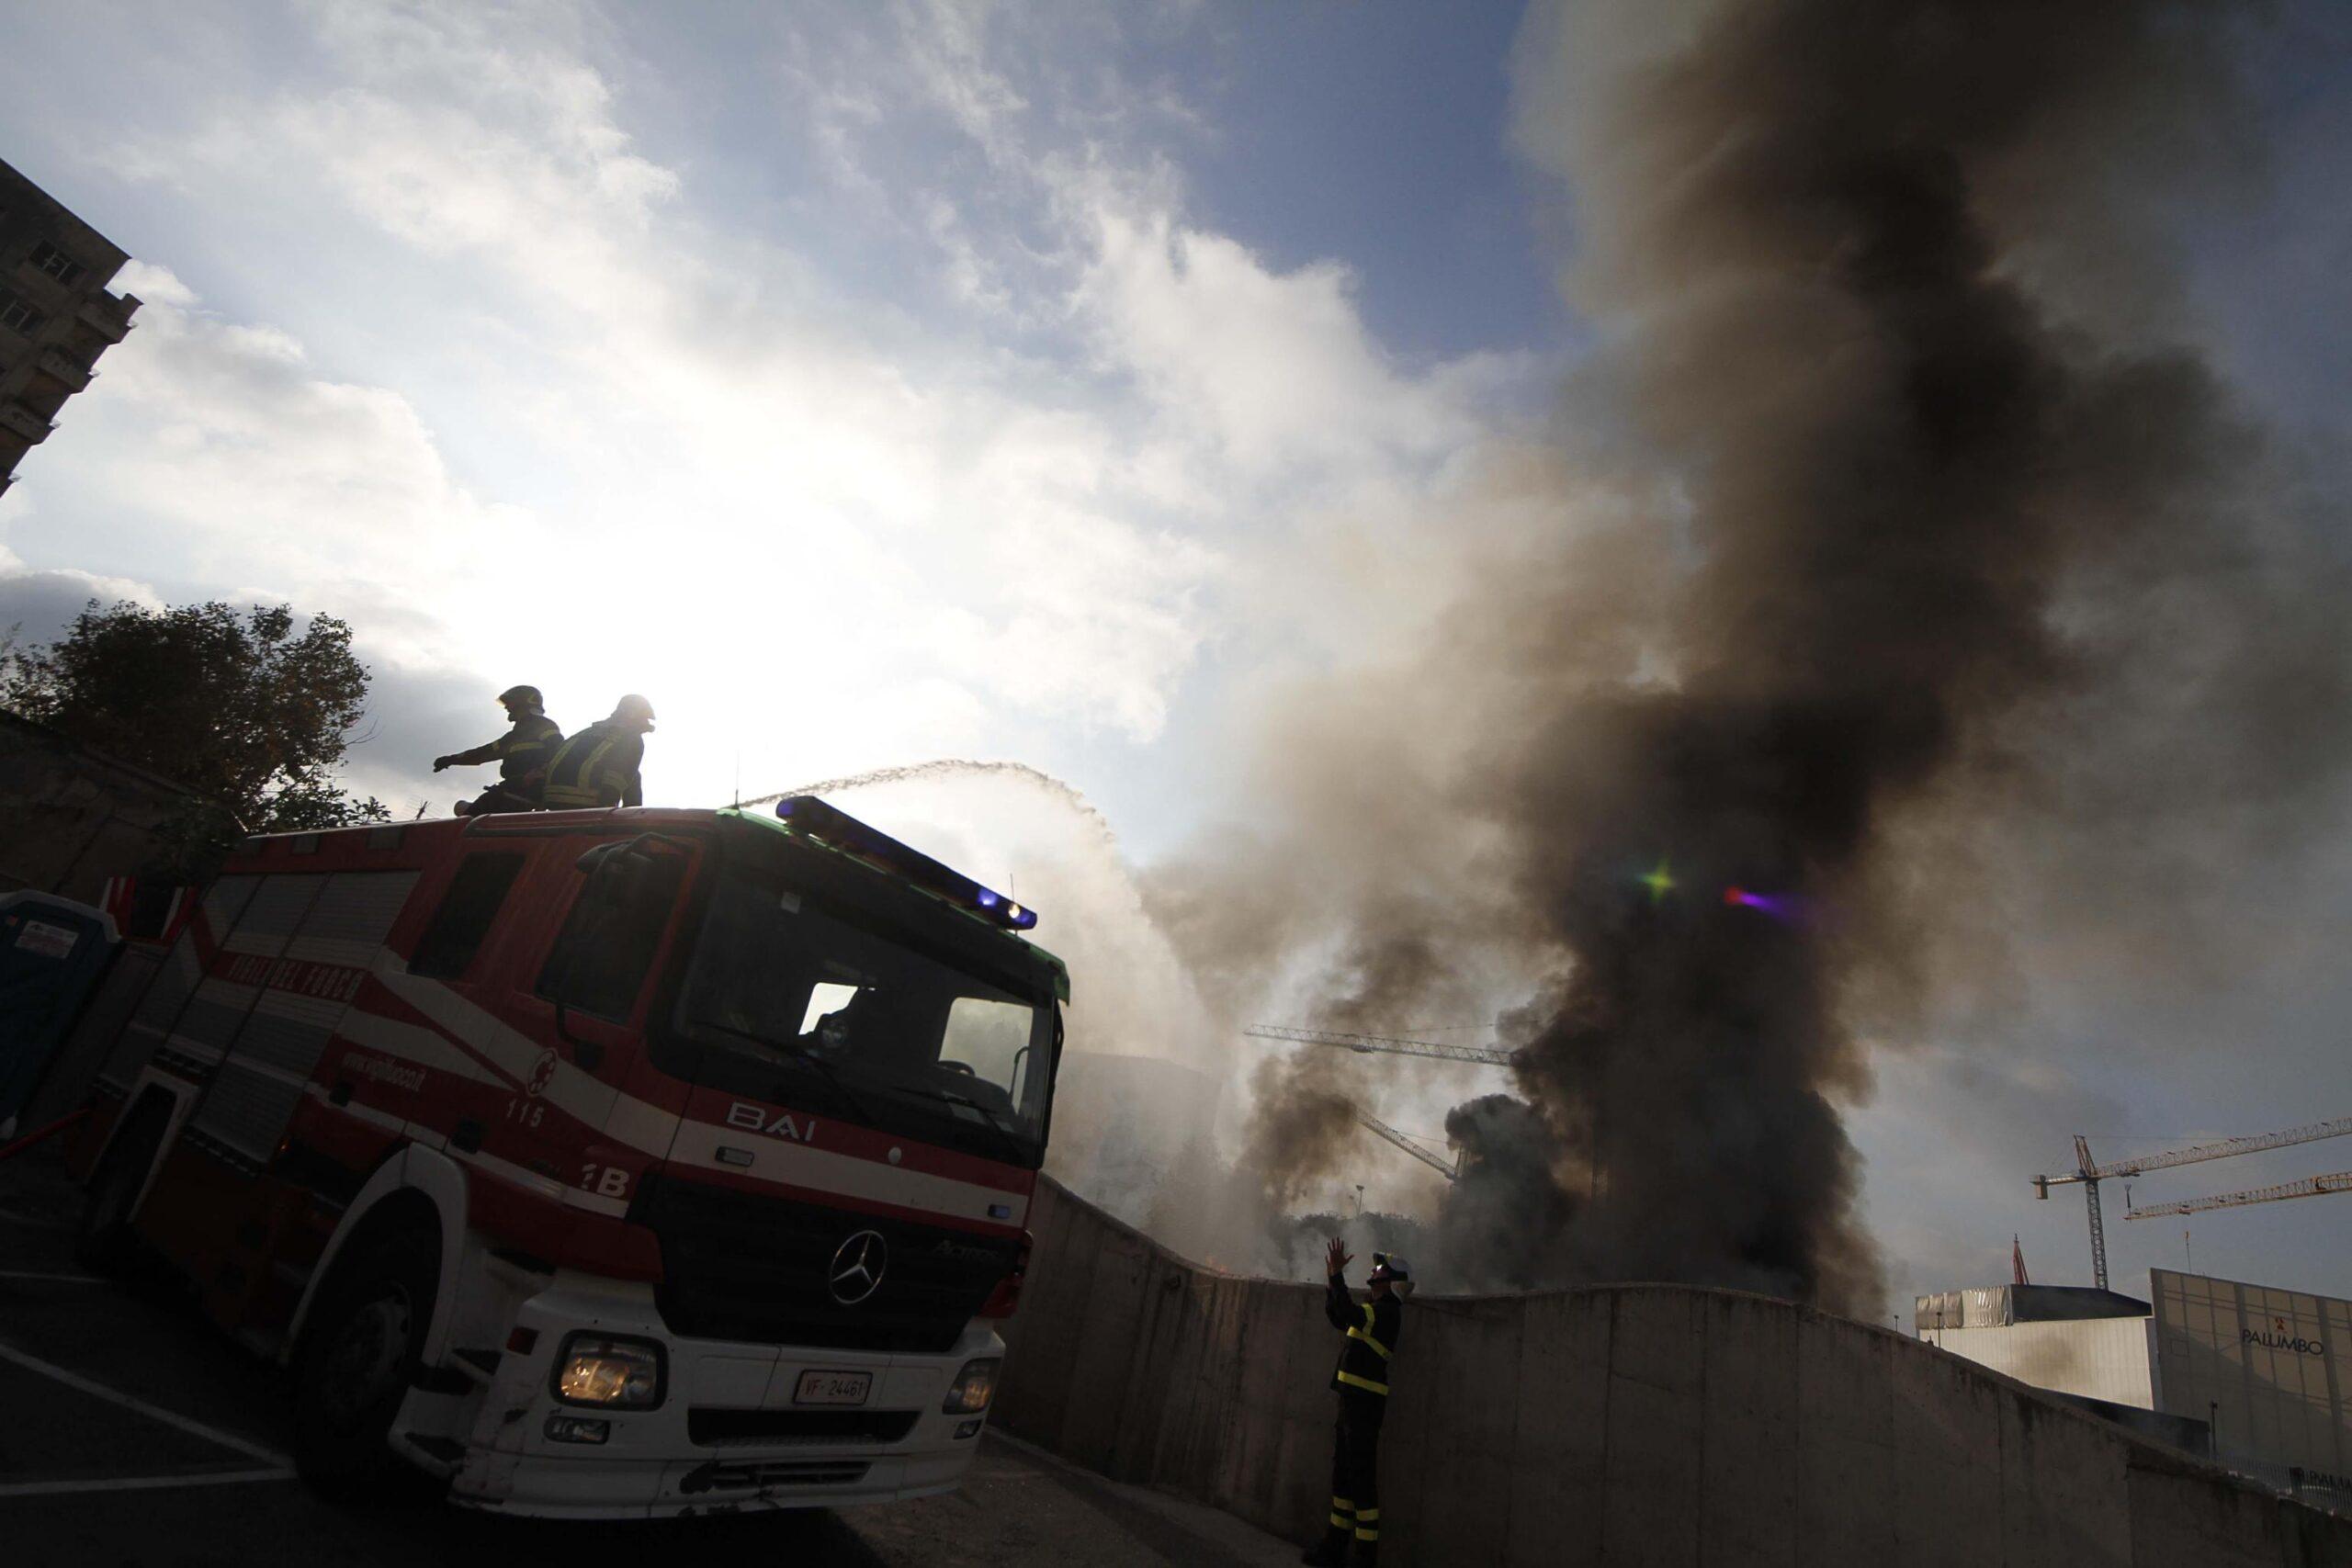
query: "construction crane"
1387, 1044
2309, 1186
2090, 1175
1375, 1125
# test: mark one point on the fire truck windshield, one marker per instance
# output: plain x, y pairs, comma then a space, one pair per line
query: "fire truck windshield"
791, 998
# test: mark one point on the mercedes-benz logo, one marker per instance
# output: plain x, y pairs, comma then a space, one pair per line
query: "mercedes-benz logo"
857, 1267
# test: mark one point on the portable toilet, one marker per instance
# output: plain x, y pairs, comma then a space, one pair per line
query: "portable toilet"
53, 952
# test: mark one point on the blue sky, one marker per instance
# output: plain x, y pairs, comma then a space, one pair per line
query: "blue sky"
872, 383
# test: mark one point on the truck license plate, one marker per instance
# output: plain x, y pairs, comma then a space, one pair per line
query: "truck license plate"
833, 1388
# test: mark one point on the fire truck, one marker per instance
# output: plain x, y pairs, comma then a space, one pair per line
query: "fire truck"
607, 1163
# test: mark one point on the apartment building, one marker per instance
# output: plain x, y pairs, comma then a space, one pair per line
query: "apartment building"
56, 316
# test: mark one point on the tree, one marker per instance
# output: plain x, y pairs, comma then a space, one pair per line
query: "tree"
238, 708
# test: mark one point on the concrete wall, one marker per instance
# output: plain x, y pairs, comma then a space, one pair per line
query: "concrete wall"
1627, 1425
70, 817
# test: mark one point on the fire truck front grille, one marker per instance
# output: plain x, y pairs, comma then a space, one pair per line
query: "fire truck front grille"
722, 1429
744, 1265
777, 1473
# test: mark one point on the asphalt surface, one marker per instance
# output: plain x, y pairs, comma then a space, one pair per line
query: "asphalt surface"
132, 1432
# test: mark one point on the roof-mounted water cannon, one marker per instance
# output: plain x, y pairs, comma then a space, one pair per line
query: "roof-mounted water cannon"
828, 825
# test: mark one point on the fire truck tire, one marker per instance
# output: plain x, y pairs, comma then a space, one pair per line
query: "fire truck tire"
359, 1353
105, 1244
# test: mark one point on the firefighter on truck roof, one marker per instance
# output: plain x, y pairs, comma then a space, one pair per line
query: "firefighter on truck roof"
522, 755
1362, 1382
599, 765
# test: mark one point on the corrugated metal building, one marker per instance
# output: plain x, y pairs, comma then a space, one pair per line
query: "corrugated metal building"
2106, 1358
1997, 1306
2259, 1374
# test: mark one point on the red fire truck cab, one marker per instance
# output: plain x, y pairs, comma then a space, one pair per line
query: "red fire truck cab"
602, 1163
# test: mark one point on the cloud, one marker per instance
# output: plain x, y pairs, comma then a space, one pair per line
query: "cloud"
1006, 470
37, 607
212, 456
211, 453
154, 285
1044, 524
1271, 368
413, 716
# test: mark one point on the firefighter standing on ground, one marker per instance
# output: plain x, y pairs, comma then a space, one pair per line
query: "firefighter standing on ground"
1362, 1381
599, 765
522, 755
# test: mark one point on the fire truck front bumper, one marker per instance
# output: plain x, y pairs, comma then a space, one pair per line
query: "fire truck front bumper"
738, 1427
616, 1489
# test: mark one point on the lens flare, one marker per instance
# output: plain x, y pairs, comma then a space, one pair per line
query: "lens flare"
1658, 879
1780, 907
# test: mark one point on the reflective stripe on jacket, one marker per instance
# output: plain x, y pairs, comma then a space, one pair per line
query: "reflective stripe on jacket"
1371, 1328
597, 767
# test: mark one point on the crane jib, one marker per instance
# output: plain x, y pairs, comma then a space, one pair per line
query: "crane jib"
1386, 1044
2089, 1174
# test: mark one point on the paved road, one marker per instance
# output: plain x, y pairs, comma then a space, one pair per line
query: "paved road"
132, 1433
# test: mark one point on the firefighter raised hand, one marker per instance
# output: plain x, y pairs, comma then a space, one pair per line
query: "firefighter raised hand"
1336, 1259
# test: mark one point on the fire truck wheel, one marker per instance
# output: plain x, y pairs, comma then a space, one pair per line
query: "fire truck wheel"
104, 1245
364, 1343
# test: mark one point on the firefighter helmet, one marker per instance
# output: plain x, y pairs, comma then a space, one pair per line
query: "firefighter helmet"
523, 697
635, 712
1387, 1265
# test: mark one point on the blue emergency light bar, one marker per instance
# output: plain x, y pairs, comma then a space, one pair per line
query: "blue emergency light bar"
831, 824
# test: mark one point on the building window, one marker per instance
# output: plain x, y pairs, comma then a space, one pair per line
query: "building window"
48, 258
20, 316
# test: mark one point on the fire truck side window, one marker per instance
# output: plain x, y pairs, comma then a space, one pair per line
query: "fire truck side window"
601, 957
466, 910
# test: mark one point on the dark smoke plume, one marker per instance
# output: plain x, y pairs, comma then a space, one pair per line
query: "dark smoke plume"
1885, 512
1307, 1124
1502, 1216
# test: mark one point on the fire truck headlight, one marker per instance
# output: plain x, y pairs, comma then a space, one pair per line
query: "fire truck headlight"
973, 1388
598, 1369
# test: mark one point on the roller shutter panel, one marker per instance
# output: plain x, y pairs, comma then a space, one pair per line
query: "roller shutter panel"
302, 997
176, 980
